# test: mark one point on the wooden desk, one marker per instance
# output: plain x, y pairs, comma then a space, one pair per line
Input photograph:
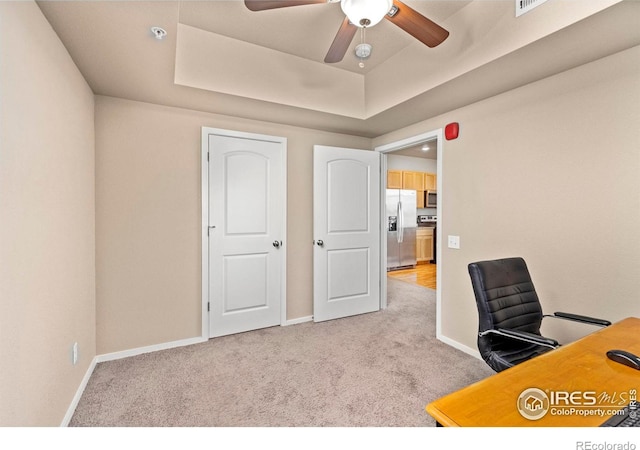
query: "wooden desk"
579, 366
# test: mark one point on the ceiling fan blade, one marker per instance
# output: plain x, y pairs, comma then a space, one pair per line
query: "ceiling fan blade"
261, 5
341, 42
417, 25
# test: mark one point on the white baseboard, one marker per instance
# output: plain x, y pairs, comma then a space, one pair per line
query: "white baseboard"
455, 344
298, 320
151, 348
79, 392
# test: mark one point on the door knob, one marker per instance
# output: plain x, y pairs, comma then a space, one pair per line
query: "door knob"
276, 244
320, 242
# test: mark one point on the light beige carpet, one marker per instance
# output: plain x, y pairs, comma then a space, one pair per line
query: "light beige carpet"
374, 370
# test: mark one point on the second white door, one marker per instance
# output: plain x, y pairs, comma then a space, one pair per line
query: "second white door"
346, 214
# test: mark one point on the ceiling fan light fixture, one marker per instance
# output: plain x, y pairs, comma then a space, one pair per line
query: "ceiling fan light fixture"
365, 13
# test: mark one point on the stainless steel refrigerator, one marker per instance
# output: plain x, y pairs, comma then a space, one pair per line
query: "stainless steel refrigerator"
401, 228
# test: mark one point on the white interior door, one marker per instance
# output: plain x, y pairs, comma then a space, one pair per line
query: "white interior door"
346, 215
246, 224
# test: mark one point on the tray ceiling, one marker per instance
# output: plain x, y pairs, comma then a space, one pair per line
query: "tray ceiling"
219, 57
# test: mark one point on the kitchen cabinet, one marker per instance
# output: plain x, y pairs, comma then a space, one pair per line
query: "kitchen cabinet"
413, 180
394, 179
430, 183
424, 244
405, 179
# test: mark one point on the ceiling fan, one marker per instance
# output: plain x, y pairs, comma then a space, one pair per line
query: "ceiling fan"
364, 14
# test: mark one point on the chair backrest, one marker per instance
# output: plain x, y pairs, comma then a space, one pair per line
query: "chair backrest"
506, 298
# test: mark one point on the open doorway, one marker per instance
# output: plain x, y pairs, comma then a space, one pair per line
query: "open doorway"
413, 166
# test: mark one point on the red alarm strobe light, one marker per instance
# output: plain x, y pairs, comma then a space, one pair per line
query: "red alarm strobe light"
451, 131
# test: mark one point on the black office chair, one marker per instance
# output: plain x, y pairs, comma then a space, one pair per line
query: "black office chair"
510, 313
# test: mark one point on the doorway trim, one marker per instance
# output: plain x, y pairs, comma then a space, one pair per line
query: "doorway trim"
399, 145
204, 183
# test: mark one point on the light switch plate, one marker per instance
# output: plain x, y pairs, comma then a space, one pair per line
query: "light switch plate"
454, 241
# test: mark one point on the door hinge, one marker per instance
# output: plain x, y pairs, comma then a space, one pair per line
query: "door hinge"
207, 156
208, 306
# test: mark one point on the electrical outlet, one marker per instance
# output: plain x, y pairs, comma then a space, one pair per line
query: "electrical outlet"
74, 352
454, 241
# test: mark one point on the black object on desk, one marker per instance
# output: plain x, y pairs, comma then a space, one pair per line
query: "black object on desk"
624, 357
629, 418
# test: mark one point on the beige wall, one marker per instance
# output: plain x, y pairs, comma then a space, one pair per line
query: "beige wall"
148, 214
47, 233
549, 172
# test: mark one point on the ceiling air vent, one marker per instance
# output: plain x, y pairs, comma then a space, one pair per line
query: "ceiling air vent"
523, 6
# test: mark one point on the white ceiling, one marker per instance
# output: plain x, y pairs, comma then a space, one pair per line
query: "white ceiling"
488, 52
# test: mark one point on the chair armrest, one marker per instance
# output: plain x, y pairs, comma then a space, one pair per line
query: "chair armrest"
523, 336
579, 318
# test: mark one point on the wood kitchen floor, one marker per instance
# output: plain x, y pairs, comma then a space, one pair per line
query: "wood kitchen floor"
422, 274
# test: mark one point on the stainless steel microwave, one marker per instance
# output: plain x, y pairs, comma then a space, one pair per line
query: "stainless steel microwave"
431, 199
